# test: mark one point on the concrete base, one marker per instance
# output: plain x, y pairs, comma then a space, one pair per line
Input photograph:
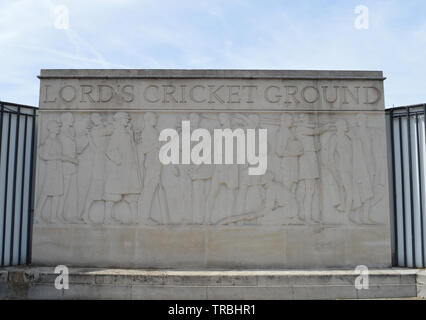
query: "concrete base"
85, 283
212, 247
421, 284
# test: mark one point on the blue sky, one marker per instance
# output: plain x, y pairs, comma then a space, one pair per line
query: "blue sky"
231, 34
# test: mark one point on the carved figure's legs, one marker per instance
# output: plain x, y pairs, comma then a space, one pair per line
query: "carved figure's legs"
307, 188
132, 200
215, 187
165, 214
41, 202
148, 197
365, 213
300, 198
198, 201
110, 199
230, 196
241, 199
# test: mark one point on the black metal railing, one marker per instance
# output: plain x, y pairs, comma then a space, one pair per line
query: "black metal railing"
17, 165
407, 159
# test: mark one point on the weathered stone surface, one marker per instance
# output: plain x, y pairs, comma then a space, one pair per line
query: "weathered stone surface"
421, 284
202, 285
103, 199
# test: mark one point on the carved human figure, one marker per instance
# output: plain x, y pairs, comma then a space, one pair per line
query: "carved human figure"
69, 199
97, 146
172, 199
307, 189
280, 203
176, 184
363, 169
274, 197
84, 163
250, 191
184, 208
52, 182
200, 175
340, 164
122, 174
148, 150
288, 149
225, 175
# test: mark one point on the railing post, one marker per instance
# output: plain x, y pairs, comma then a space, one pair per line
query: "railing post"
392, 207
22, 189
420, 189
5, 193
17, 168
32, 188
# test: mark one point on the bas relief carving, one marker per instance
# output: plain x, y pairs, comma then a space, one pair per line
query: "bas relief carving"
103, 169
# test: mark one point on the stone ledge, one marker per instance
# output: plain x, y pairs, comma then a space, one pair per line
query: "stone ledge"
92, 283
421, 284
211, 74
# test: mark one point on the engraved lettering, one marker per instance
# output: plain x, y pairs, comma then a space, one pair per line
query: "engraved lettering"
378, 95
250, 90
192, 94
86, 90
105, 93
234, 94
276, 96
127, 92
68, 93
46, 94
156, 98
354, 96
316, 93
325, 94
291, 93
169, 90
183, 94
213, 93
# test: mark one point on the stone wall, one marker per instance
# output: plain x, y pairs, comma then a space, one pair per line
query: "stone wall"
103, 198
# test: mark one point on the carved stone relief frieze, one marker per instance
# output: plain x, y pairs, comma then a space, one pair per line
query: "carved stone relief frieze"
104, 168
105, 198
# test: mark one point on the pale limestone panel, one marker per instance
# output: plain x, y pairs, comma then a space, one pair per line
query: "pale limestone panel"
239, 247
104, 199
170, 248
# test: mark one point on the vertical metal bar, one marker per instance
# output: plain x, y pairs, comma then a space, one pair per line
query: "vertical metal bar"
410, 171
32, 189
393, 209
15, 170
22, 189
403, 190
420, 189
424, 168
5, 194
1, 125
1, 141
